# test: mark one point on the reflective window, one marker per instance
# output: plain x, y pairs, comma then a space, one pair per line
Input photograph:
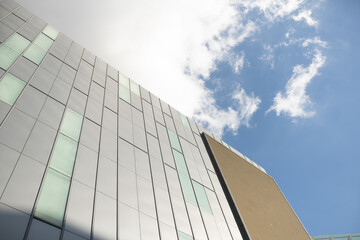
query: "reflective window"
43, 41
17, 43
174, 141
7, 57
51, 32
35, 54
124, 93
180, 162
124, 80
63, 156
184, 236
10, 88
71, 124
201, 196
187, 188
184, 120
134, 87
38, 49
52, 198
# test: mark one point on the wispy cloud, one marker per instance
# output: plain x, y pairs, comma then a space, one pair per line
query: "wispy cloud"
268, 56
295, 102
237, 61
171, 48
315, 41
306, 16
218, 120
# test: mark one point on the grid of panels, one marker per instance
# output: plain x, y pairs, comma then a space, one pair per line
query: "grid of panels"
87, 153
352, 236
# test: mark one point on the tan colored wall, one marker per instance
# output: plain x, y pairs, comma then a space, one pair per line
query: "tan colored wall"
265, 212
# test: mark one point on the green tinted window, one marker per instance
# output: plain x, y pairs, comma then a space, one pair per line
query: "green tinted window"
52, 198
201, 196
51, 31
124, 93
184, 120
180, 162
35, 54
71, 124
63, 156
187, 188
134, 87
10, 88
174, 141
43, 41
17, 43
7, 57
123, 80
184, 236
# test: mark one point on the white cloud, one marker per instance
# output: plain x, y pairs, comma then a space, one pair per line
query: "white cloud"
306, 16
169, 47
268, 56
316, 41
273, 9
237, 62
295, 102
217, 120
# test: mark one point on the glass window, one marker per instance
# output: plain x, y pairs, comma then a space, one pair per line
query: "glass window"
124, 93
63, 156
187, 188
10, 88
123, 80
43, 41
184, 120
201, 196
52, 198
174, 141
35, 54
51, 31
184, 236
17, 43
71, 124
180, 162
134, 87
7, 57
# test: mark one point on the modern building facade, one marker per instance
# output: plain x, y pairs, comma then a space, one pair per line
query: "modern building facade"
87, 153
352, 236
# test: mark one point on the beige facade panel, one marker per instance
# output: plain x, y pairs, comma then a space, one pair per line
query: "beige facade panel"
263, 208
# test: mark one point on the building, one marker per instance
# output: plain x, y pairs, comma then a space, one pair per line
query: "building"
352, 236
87, 153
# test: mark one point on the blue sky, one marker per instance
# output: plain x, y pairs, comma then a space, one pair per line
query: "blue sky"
276, 79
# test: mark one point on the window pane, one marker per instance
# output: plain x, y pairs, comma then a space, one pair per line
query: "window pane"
71, 124
184, 236
63, 156
123, 80
52, 198
17, 43
10, 88
187, 188
35, 54
184, 120
201, 196
134, 87
124, 93
180, 162
43, 41
7, 57
51, 31
174, 140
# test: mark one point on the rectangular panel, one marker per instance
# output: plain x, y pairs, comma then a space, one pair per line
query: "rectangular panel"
79, 209
104, 217
52, 198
